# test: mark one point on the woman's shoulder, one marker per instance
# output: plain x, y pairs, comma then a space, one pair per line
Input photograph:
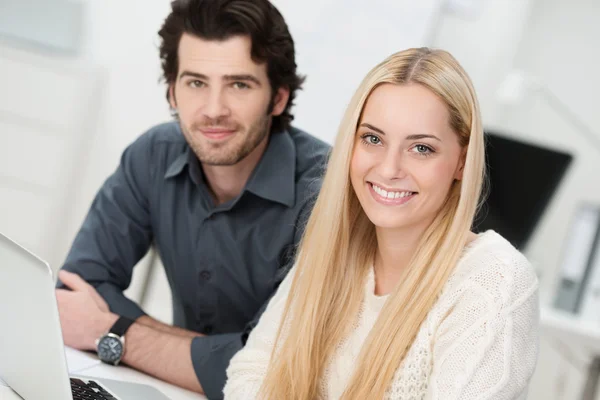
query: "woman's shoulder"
492, 266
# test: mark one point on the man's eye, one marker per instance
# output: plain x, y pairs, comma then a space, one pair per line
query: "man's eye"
195, 84
241, 85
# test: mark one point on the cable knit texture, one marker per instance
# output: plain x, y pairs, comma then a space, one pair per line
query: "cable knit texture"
479, 341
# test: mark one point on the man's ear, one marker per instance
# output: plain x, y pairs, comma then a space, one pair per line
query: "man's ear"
172, 100
458, 175
280, 101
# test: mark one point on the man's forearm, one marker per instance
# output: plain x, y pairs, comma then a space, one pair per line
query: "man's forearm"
173, 330
161, 354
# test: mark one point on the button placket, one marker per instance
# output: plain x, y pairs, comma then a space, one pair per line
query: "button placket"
205, 275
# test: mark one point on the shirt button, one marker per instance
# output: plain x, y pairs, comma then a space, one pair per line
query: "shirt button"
208, 329
205, 275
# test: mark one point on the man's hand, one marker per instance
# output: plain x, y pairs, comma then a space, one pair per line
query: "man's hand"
84, 315
158, 350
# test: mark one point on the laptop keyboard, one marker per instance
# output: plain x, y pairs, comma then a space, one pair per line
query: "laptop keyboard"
89, 391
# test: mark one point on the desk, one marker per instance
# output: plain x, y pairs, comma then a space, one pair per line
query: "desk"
121, 373
573, 331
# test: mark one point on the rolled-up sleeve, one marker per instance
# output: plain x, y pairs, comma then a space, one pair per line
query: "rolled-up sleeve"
210, 357
116, 232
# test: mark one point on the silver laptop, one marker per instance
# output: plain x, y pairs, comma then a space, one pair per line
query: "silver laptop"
32, 354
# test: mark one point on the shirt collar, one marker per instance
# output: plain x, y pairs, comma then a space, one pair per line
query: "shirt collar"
274, 178
177, 165
187, 158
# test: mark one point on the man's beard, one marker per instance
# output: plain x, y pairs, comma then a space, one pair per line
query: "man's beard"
228, 153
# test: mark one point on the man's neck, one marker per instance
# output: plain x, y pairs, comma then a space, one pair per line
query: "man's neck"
226, 182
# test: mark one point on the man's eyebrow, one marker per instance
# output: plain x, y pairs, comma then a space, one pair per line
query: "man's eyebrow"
228, 78
242, 77
183, 74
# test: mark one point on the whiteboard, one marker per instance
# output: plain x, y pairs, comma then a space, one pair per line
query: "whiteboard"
339, 41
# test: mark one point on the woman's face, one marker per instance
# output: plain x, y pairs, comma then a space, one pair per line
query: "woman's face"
406, 156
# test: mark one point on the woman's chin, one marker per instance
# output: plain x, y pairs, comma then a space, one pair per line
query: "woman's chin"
387, 222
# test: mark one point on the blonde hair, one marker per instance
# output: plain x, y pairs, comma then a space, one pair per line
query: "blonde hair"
339, 245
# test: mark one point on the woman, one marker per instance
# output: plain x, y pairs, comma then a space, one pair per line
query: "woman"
392, 295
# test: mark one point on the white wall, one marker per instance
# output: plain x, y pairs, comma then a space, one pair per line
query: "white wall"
560, 46
485, 42
556, 41
122, 38
339, 41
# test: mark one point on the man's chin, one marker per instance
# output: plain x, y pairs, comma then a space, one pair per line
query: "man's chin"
219, 163
220, 159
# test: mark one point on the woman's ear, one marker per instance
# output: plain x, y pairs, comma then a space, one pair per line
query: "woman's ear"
458, 175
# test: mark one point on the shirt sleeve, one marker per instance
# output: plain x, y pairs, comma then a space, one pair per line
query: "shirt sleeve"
116, 232
210, 358
486, 349
248, 367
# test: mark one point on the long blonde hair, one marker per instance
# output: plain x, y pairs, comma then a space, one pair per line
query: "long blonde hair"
339, 244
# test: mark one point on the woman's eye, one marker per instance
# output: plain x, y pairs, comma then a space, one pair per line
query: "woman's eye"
371, 139
422, 149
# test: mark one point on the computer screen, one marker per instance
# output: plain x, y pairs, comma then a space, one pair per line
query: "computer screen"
522, 178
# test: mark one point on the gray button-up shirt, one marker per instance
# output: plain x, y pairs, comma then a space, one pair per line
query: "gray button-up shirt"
222, 262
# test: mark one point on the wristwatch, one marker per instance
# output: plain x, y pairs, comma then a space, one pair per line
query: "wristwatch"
111, 345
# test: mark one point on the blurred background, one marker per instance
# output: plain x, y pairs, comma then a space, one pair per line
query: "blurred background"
79, 81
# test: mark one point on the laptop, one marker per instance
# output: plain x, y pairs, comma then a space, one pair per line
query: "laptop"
32, 354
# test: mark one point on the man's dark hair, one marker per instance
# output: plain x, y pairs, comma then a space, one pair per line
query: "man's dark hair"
223, 19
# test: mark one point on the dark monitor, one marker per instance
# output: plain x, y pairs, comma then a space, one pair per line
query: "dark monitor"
522, 178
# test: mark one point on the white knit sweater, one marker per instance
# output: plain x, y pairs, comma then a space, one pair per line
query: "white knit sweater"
479, 341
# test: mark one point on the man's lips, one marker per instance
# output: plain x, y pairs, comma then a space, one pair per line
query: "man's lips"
217, 133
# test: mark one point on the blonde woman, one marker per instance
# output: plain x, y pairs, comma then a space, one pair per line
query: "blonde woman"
392, 295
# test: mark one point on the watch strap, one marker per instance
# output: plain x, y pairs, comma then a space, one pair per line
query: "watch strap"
121, 326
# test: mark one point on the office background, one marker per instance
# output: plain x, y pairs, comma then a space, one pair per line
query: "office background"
71, 101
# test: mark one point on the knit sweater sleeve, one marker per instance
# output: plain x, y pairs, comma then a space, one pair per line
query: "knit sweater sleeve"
248, 367
486, 344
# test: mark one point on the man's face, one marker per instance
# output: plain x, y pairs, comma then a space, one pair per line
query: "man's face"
222, 97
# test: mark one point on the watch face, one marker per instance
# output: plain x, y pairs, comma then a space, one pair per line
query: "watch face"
110, 349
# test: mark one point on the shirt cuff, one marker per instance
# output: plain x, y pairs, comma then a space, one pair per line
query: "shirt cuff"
210, 357
118, 303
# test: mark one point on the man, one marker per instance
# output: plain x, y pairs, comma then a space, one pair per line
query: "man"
222, 193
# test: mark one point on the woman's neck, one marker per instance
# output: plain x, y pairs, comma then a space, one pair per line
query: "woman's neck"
395, 248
